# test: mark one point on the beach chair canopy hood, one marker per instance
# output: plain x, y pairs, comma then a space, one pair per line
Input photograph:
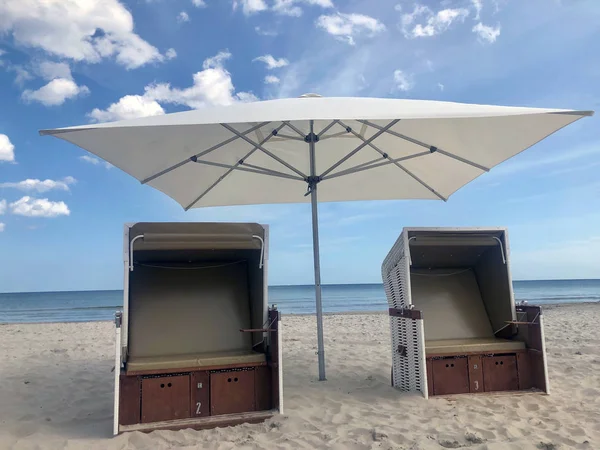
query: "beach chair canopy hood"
350, 148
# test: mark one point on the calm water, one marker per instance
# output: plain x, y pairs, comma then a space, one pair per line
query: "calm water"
101, 305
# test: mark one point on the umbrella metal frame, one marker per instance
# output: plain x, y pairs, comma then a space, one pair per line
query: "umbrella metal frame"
313, 179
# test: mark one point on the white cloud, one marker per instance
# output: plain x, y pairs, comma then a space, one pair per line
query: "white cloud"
217, 60
245, 97
42, 207
250, 6
478, 5
171, 54
486, 33
199, 3
271, 62
287, 8
90, 159
321, 3
263, 32
55, 92
398, 7
128, 107
7, 149
82, 30
211, 86
433, 24
183, 17
409, 18
290, 7
403, 81
441, 86
271, 79
95, 161
2, 207
2, 227
346, 26
41, 186
50, 70
283, 7
22, 74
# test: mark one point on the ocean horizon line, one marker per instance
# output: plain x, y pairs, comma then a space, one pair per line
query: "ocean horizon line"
288, 285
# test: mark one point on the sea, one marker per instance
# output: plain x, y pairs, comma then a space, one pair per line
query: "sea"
83, 306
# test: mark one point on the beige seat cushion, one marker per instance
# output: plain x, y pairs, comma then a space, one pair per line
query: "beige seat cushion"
193, 361
458, 346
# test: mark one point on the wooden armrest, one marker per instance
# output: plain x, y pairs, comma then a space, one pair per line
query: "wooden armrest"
256, 330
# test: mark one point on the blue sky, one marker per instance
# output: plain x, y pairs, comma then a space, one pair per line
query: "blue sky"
72, 62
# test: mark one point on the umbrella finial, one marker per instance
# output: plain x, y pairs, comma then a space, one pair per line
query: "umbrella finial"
311, 95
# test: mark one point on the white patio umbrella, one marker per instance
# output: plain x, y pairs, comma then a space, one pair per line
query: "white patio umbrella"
285, 151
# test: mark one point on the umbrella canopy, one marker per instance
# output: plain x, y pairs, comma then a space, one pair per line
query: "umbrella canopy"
349, 148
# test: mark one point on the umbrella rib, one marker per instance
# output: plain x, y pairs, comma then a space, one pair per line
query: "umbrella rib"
275, 173
340, 134
251, 168
286, 136
361, 146
410, 174
348, 129
397, 164
373, 165
357, 168
260, 147
294, 128
431, 147
212, 186
199, 155
324, 130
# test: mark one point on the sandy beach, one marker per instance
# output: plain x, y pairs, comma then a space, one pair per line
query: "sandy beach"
56, 392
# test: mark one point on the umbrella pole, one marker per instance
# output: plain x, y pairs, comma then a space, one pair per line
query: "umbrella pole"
317, 263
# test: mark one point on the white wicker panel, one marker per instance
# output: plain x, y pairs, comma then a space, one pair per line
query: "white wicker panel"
395, 283
408, 371
415, 351
388, 286
394, 256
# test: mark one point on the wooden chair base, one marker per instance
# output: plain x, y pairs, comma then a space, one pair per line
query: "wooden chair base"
484, 372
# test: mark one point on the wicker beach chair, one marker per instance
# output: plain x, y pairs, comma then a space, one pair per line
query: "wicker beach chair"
197, 344
454, 324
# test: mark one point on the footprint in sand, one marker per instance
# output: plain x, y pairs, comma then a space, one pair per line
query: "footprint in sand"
532, 407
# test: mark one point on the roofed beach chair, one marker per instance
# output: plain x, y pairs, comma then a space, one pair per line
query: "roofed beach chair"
197, 344
454, 324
